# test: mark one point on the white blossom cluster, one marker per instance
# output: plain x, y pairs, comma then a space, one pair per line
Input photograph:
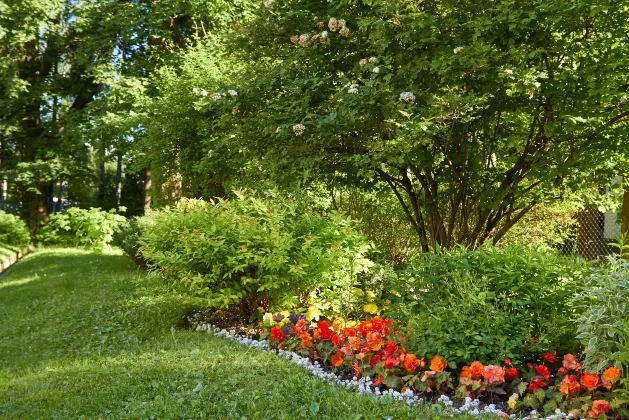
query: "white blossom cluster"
407, 97
201, 92
269, 3
353, 89
306, 40
216, 95
338, 25
458, 50
299, 129
365, 384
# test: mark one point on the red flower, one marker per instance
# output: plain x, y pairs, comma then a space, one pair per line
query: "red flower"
375, 359
511, 373
390, 361
391, 348
550, 357
562, 371
336, 340
323, 331
542, 371
350, 332
508, 362
277, 334
337, 359
590, 381
537, 383
569, 385
599, 407
378, 380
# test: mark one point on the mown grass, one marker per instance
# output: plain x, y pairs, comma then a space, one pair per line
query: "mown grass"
91, 336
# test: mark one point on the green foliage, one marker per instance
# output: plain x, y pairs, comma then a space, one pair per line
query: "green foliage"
248, 253
13, 231
473, 113
128, 234
91, 228
487, 304
547, 225
603, 324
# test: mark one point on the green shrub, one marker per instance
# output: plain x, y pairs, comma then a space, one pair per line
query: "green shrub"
487, 304
248, 253
128, 236
603, 326
13, 231
93, 228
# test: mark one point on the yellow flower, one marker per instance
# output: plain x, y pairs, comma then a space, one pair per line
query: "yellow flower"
313, 313
260, 309
513, 401
371, 295
370, 308
394, 293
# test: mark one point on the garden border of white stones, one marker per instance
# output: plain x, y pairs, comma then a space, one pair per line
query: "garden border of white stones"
364, 384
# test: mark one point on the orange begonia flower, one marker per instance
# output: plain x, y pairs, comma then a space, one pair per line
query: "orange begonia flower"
337, 359
611, 374
477, 369
438, 364
354, 342
375, 341
410, 362
590, 381
569, 385
466, 372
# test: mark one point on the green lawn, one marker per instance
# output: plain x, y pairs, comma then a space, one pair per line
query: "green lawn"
90, 336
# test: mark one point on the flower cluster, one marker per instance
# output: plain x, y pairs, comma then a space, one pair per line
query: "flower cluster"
306, 40
299, 129
353, 88
407, 97
338, 25
216, 95
458, 50
366, 349
269, 3
539, 379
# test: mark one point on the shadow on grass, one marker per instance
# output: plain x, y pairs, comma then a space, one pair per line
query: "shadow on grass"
60, 304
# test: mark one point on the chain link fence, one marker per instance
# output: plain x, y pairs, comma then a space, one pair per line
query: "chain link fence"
593, 234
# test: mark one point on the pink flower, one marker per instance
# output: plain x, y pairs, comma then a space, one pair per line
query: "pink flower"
494, 374
571, 363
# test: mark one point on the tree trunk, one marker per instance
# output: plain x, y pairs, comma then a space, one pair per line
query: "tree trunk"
148, 186
101, 184
119, 179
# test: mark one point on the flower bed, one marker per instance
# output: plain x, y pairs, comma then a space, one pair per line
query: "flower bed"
373, 349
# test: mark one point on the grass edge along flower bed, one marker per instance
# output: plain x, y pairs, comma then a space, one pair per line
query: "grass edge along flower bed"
470, 375
373, 348
364, 385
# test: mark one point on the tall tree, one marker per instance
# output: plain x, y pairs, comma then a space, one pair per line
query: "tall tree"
472, 112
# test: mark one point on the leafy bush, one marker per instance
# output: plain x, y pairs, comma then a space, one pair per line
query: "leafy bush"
487, 304
128, 236
248, 253
13, 231
93, 228
603, 326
